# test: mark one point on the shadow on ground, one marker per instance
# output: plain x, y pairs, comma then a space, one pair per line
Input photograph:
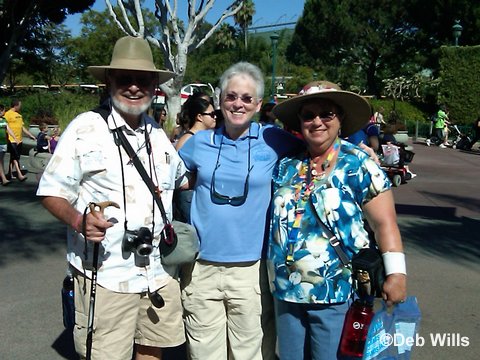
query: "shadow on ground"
27, 229
438, 231
64, 346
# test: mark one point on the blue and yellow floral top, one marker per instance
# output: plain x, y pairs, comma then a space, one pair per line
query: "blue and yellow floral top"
316, 274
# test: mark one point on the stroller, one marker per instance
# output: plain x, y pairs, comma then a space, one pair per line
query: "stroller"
394, 160
461, 141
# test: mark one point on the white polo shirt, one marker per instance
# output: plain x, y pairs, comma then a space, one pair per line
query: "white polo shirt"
87, 167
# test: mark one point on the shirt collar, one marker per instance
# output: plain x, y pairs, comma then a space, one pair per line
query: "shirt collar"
115, 121
253, 133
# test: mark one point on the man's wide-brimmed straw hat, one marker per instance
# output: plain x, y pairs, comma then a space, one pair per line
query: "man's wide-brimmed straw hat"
131, 53
356, 109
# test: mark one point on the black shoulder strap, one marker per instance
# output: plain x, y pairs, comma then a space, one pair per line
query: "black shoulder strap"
104, 111
332, 239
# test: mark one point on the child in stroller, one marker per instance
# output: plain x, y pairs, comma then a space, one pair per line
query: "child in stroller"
395, 157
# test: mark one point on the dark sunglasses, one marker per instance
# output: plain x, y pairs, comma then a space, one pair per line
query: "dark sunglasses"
220, 199
212, 114
246, 99
325, 116
139, 80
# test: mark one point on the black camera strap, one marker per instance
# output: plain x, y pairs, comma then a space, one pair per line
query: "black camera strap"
332, 238
141, 170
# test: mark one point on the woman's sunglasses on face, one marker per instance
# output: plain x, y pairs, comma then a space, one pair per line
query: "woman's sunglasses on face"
246, 99
212, 114
309, 116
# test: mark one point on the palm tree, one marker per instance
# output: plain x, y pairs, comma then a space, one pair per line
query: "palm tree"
244, 17
225, 36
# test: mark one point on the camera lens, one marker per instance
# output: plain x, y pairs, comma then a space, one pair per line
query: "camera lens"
144, 250
144, 242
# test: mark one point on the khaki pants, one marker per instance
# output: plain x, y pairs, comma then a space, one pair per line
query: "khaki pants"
228, 312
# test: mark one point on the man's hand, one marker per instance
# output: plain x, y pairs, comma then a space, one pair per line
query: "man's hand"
95, 223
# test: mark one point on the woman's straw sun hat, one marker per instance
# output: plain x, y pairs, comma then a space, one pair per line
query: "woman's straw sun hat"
356, 109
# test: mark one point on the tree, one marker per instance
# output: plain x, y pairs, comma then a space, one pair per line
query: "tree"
225, 36
244, 19
22, 19
175, 41
43, 57
362, 42
355, 40
95, 46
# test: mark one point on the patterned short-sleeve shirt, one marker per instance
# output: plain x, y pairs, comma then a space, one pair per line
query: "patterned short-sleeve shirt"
87, 167
317, 275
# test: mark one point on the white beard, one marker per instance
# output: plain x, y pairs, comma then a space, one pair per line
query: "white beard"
131, 110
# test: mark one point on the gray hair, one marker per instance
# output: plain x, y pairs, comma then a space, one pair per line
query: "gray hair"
243, 68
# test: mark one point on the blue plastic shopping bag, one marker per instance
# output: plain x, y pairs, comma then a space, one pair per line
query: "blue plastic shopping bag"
392, 333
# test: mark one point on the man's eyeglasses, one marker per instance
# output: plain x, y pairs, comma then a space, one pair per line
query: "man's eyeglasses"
246, 99
220, 199
212, 114
139, 80
309, 116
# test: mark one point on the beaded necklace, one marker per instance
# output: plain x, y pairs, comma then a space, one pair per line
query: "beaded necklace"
303, 190
325, 165
310, 175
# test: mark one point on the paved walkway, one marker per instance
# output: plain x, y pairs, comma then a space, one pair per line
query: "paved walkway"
438, 214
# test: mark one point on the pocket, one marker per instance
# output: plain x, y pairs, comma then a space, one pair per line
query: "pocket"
257, 305
80, 333
190, 290
186, 274
91, 161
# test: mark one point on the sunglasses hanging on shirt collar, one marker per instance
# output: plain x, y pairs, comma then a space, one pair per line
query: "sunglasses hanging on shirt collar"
221, 199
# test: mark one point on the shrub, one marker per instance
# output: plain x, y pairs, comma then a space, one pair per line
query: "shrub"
401, 114
52, 107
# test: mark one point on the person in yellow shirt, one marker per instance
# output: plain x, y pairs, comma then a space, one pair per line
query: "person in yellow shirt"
4, 132
15, 122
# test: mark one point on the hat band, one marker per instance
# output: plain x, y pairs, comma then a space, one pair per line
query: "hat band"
129, 64
316, 90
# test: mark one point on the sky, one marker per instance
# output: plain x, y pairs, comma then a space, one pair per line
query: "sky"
267, 12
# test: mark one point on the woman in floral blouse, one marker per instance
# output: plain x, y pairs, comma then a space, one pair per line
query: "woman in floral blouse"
338, 184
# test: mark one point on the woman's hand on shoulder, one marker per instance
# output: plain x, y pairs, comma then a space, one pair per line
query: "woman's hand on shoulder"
370, 152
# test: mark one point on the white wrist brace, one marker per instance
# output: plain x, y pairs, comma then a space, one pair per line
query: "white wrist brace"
394, 263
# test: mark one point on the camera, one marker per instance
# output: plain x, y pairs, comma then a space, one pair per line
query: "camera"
138, 242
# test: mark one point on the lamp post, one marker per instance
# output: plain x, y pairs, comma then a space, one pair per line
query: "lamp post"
457, 31
274, 37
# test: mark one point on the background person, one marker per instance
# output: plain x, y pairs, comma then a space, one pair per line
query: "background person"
5, 131
43, 139
439, 127
368, 135
227, 304
15, 121
55, 138
266, 115
160, 116
337, 183
200, 115
378, 118
90, 166
182, 121
476, 132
